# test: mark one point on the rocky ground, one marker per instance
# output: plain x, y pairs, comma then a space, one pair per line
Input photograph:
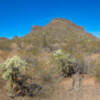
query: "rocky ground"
89, 90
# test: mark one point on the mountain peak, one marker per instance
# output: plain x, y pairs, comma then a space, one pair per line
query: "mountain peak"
60, 20
35, 27
64, 23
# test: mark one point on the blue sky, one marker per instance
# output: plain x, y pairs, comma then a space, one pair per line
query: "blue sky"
18, 16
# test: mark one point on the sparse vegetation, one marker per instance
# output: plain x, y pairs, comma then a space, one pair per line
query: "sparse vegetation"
51, 52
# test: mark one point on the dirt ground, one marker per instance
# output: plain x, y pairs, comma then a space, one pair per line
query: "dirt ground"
89, 90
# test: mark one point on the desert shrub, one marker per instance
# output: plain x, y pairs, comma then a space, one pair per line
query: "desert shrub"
67, 62
11, 69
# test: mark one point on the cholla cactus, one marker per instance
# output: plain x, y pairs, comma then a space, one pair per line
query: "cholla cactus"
11, 67
60, 54
63, 55
66, 60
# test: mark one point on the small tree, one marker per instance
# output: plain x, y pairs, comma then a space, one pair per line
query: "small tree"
11, 68
68, 63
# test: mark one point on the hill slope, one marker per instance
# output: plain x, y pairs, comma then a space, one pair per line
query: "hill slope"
59, 33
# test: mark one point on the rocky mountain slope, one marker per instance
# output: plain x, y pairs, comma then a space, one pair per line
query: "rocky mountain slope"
59, 33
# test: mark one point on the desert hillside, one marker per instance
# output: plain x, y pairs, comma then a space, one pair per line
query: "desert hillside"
77, 63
